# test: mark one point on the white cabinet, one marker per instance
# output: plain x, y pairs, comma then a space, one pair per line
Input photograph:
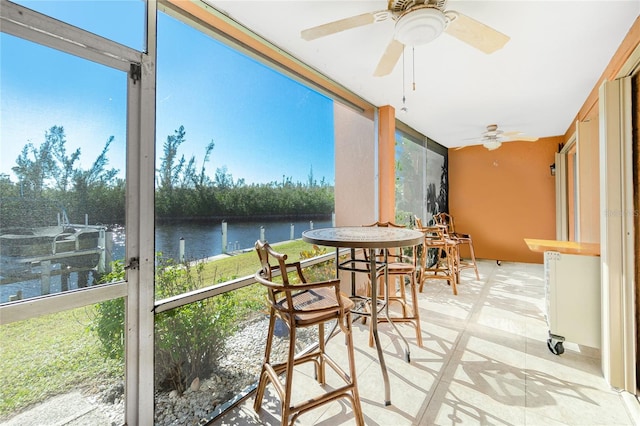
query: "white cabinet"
572, 286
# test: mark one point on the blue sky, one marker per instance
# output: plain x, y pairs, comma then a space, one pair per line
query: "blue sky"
263, 124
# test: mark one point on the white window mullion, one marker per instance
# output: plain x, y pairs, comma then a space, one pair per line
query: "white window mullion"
33, 26
140, 228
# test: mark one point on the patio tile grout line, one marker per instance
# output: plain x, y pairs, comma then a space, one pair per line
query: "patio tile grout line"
454, 347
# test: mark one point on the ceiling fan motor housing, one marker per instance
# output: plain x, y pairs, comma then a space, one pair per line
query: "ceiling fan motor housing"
420, 25
492, 132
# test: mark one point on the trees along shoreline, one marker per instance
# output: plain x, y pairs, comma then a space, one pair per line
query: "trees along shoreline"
184, 192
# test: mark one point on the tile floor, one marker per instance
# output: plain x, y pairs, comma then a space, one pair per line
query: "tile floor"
484, 360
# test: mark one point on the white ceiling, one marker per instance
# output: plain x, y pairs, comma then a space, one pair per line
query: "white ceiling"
536, 84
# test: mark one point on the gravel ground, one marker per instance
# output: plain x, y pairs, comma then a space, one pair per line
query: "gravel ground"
238, 370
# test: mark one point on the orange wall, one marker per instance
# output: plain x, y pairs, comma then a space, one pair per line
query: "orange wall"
502, 196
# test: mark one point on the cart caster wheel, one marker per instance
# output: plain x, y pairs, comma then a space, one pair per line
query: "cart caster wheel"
557, 349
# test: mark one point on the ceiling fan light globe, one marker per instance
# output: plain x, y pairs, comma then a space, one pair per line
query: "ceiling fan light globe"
420, 26
492, 144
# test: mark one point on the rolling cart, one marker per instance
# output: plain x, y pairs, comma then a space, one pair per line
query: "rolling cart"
572, 293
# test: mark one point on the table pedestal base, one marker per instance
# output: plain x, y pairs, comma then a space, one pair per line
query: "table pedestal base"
373, 268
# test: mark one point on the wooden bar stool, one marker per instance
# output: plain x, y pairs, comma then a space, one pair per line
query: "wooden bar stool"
463, 239
439, 259
402, 267
299, 305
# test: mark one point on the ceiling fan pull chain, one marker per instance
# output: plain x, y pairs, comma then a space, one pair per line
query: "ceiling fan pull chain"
404, 107
414, 67
403, 74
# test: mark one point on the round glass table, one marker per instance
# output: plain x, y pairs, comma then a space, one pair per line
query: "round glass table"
369, 238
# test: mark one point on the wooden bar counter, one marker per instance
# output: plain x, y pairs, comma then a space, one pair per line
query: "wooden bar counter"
565, 247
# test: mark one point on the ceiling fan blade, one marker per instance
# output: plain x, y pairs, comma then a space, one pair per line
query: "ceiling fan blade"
518, 136
475, 33
523, 138
339, 25
389, 58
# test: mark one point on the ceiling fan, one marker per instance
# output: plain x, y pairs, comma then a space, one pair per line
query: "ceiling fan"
417, 22
493, 137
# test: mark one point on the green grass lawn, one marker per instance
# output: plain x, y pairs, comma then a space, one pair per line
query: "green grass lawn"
49, 355
240, 265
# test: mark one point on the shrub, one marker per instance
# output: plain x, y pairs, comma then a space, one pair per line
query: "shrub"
108, 322
320, 271
188, 339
